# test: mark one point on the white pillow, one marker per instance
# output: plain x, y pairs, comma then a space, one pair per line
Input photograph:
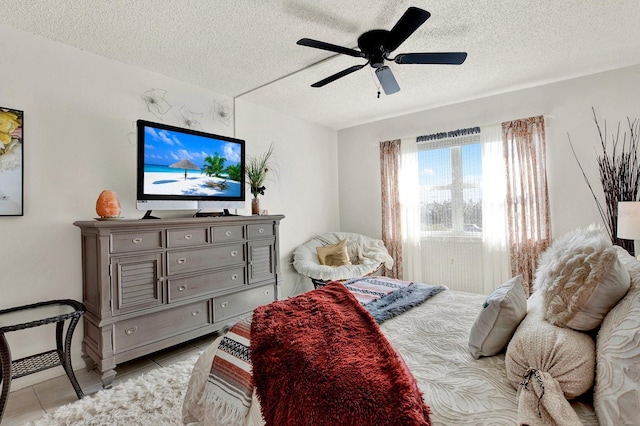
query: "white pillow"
501, 314
616, 395
581, 279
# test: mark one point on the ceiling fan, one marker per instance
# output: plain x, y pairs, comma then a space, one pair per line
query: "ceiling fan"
376, 45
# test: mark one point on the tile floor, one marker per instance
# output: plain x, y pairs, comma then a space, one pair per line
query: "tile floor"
35, 401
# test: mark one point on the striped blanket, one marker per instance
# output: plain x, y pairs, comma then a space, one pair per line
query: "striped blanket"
230, 377
230, 385
370, 289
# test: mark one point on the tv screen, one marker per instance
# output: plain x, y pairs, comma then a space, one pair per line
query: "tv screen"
188, 169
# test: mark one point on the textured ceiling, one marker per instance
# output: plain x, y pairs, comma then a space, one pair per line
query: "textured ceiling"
248, 48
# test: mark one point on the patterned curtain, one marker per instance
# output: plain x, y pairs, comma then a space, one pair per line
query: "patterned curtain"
391, 218
528, 226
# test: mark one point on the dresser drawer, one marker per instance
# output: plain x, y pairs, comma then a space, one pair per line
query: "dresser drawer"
260, 230
205, 258
136, 241
183, 288
222, 234
187, 237
160, 325
225, 307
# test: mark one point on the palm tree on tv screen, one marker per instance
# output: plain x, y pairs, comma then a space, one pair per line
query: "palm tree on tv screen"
213, 166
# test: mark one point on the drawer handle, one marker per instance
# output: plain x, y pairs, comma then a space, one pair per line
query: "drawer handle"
182, 260
267, 292
182, 288
224, 304
195, 313
131, 330
234, 253
228, 233
234, 277
261, 231
137, 240
188, 237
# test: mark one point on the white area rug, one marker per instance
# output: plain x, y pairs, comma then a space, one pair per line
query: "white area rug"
155, 398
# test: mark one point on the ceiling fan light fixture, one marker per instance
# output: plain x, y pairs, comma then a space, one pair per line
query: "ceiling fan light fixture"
377, 62
387, 80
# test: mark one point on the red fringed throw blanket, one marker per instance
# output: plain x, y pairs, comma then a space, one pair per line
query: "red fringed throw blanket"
320, 359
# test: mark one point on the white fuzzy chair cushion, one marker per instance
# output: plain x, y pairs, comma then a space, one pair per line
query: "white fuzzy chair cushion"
501, 313
547, 365
581, 279
371, 254
616, 396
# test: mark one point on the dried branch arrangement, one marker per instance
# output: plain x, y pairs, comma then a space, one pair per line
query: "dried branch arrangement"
619, 174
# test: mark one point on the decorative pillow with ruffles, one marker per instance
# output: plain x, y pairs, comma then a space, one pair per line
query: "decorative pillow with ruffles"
548, 365
580, 279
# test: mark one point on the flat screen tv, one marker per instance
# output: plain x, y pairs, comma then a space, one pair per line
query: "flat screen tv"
185, 169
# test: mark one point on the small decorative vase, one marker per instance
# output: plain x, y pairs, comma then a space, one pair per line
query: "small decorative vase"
255, 205
108, 204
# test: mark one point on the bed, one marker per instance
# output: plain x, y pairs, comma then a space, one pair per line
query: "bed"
433, 340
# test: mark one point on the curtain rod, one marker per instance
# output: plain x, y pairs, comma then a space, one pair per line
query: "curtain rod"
450, 134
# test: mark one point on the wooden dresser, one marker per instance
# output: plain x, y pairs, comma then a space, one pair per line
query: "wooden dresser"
154, 283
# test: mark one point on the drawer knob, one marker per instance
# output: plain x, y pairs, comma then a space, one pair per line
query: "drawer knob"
267, 292
137, 240
182, 288
182, 260
234, 253
195, 313
188, 237
131, 330
234, 277
228, 233
224, 304
261, 231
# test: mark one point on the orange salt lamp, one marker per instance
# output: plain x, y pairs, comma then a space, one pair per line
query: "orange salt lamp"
108, 204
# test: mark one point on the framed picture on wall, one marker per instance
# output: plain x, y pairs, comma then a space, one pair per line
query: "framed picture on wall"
11, 157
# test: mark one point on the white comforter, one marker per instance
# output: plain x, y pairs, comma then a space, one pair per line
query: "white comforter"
433, 340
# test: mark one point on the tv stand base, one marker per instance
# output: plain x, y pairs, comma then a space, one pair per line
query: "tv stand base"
147, 215
225, 212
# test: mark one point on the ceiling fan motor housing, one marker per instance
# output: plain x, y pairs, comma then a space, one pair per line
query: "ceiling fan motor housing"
371, 44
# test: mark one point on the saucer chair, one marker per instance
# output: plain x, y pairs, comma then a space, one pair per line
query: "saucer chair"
337, 256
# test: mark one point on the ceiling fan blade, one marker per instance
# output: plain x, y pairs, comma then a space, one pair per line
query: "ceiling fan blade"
338, 75
330, 47
408, 23
387, 80
446, 58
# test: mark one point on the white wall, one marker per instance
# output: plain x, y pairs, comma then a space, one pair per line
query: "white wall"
80, 112
613, 94
304, 185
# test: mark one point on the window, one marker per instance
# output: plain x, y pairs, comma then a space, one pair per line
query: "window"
450, 177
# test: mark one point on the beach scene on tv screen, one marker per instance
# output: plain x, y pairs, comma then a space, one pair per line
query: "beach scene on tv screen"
177, 163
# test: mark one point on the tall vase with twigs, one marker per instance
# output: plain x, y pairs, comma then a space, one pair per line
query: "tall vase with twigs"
619, 175
257, 169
